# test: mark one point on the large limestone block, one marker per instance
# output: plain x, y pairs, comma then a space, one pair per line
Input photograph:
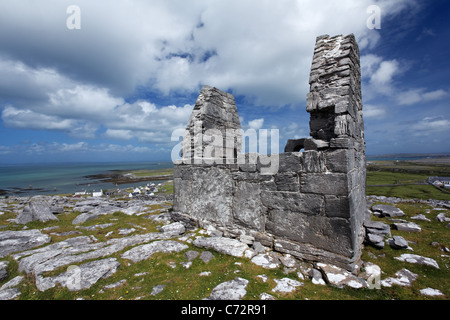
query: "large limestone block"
247, 208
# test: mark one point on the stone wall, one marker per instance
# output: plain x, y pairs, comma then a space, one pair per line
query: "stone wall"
313, 207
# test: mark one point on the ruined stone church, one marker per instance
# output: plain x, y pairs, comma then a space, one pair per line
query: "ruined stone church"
314, 205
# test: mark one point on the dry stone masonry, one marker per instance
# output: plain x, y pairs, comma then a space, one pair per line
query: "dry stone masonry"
313, 206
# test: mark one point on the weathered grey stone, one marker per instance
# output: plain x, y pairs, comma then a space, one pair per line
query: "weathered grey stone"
407, 226
414, 258
191, 255
286, 285
398, 242
442, 217
82, 218
76, 250
376, 227
258, 247
266, 261
9, 294
206, 256
266, 296
132, 210
82, 277
404, 277
115, 284
145, 251
339, 277
294, 145
12, 283
288, 260
314, 200
316, 277
223, 245
387, 210
315, 144
376, 240
332, 183
15, 241
175, 228
246, 239
420, 217
247, 210
230, 290
3, 271
431, 292
36, 210
309, 204
157, 289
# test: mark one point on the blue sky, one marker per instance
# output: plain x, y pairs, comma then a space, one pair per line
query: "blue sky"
118, 87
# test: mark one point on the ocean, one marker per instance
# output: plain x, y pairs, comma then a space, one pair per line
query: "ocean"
61, 178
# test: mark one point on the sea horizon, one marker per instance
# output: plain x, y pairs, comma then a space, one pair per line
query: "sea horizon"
66, 178
51, 178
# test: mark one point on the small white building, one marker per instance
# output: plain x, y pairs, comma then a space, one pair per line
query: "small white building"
97, 194
440, 181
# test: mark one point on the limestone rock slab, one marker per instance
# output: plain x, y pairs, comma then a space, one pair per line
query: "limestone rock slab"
230, 290
145, 251
223, 245
15, 241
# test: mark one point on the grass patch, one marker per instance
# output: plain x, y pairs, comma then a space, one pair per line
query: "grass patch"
404, 180
151, 173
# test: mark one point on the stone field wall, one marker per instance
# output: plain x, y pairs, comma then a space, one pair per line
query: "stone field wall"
313, 207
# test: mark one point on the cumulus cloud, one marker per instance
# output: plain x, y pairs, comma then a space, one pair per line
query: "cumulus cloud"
78, 81
379, 77
414, 96
256, 124
430, 125
374, 112
260, 49
385, 72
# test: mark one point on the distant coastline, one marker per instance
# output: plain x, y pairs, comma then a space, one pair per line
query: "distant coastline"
66, 178
406, 156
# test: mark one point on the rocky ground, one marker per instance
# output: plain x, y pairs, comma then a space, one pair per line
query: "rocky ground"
61, 247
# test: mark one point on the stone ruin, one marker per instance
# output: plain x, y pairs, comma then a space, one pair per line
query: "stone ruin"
314, 205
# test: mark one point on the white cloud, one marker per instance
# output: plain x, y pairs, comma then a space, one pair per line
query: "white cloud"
430, 125
119, 134
4, 150
257, 48
435, 95
256, 124
414, 96
371, 111
76, 81
385, 72
27, 119
80, 146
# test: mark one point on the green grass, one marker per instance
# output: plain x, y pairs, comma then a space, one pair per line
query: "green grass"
151, 173
383, 181
186, 284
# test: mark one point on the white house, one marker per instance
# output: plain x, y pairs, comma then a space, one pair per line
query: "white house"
97, 194
440, 181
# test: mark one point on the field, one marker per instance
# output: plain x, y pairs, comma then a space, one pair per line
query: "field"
406, 179
403, 180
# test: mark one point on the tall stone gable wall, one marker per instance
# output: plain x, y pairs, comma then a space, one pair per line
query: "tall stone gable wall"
314, 205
